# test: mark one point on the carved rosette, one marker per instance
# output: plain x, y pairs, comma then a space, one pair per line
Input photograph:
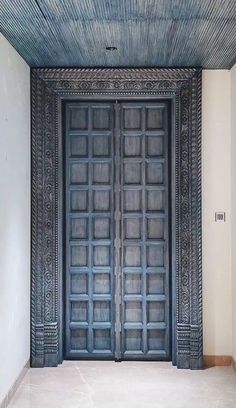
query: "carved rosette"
49, 87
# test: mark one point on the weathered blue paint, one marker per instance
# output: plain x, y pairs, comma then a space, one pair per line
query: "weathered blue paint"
117, 274
170, 33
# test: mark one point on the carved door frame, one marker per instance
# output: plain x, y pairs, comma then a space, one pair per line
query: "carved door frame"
49, 88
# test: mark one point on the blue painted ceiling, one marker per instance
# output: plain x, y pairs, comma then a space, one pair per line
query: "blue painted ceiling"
166, 33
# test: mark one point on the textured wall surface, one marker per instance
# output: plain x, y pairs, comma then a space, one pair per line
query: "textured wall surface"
233, 199
216, 143
14, 215
164, 33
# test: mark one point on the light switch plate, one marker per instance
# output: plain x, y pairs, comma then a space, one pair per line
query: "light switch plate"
220, 216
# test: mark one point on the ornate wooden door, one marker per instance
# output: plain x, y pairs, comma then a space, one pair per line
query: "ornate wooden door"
116, 230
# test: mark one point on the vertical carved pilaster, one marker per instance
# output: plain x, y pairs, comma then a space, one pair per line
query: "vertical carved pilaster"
44, 227
189, 305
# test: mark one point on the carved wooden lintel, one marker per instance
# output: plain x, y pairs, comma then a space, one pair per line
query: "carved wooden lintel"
49, 87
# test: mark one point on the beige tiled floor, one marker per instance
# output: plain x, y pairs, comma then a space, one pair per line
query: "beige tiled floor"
95, 384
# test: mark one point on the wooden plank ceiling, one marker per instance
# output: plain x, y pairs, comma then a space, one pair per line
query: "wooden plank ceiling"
166, 33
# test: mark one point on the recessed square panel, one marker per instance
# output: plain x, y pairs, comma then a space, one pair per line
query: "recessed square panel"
132, 228
101, 228
154, 118
133, 340
79, 283
132, 146
79, 118
154, 173
78, 339
156, 339
132, 118
101, 255
78, 146
155, 200
132, 200
154, 146
155, 312
101, 173
101, 283
132, 173
102, 339
101, 311
155, 228
79, 255
79, 200
79, 311
133, 283
132, 256
155, 255
79, 173
133, 312
101, 200
101, 146
155, 284
79, 228
101, 118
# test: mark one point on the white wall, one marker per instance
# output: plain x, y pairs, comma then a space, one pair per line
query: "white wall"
233, 201
14, 215
216, 179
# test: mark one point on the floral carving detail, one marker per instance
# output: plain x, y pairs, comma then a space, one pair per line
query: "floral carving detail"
48, 86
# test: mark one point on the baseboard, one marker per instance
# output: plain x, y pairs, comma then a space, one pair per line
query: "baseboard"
213, 361
234, 364
11, 392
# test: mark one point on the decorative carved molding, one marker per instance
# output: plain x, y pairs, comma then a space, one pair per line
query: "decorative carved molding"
49, 87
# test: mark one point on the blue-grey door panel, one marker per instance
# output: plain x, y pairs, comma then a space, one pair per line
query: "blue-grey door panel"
117, 244
89, 230
144, 231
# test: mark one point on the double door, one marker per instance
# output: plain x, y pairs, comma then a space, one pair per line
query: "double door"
117, 302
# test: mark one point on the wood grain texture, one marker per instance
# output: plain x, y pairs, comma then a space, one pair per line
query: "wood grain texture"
145, 320
141, 295
213, 361
182, 88
89, 190
170, 33
233, 364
